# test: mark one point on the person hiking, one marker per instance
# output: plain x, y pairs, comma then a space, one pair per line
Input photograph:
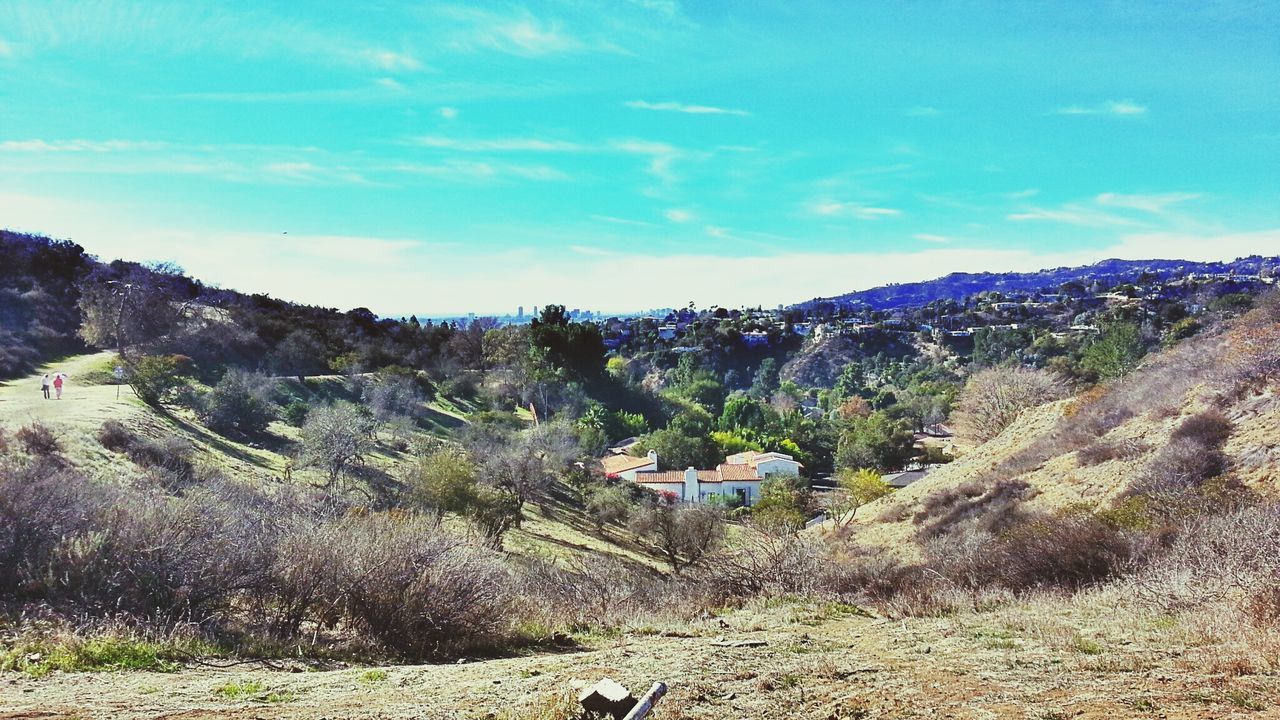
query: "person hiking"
44, 385
57, 384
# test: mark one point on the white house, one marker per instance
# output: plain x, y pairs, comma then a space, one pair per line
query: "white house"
739, 476
626, 466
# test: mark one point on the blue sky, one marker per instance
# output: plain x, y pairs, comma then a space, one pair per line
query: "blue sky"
446, 157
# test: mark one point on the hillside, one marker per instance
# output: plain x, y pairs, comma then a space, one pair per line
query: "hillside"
1213, 397
957, 286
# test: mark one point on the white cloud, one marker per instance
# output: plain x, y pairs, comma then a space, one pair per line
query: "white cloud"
930, 237
498, 144
922, 111
1072, 214
683, 108
1022, 194
620, 221
178, 28
468, 171
79, 146
1111, 107
678, 215
517, 34
390, 61
662, 156
389, 84
449, 113
1156, 203
832, 208
6, 50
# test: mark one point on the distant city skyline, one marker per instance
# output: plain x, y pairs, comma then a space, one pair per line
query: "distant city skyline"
466, 157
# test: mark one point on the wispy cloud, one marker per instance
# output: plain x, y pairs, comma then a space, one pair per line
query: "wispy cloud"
1122, 108
520, 33
620, 221
449, 113
922, 111
514, 144
6, 50
79, 146
683, 108
473, 171
662, 156
189, 28
1022, 194
930, 237
1155, 203
833, 208
1072, 214
678, 215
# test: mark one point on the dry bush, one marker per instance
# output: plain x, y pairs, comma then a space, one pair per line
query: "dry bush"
1209, 428
1231, 558
993, 398
38, 439
420, 591
764, 564
165, 559
1103, 450
1067, 551
590, 591
991, 507
114, 436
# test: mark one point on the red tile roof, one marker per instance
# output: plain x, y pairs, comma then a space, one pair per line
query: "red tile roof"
670, 476
615, 464
738, 472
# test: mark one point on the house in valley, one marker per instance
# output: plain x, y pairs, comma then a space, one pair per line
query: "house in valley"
737, 479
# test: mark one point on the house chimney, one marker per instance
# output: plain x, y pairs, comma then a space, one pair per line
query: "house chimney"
691, 493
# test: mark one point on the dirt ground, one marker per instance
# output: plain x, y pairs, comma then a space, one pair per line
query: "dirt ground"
815, 663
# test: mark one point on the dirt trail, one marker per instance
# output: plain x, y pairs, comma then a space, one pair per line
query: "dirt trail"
847, 667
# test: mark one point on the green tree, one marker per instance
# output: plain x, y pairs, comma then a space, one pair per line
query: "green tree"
154, 378
874, 441
1115, 352
785, 503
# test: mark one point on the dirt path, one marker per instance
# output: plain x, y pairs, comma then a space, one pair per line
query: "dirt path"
842, 667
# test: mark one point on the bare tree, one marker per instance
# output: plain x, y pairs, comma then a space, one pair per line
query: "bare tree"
993, 398
684, 534
335, 438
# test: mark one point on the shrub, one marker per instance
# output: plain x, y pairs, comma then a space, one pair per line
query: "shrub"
991, 508
764, 564
114, 436
38, 439
683, 534
295, 413
993, 398
609, 504
1209, 428
418, 590
171, 454
335, 438
154, 378
239, 403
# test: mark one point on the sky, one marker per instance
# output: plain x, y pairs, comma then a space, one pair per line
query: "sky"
441, 158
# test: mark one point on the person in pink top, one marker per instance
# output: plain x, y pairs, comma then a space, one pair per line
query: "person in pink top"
57, 385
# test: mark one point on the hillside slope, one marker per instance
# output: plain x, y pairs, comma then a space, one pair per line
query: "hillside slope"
552, 530
1208, 406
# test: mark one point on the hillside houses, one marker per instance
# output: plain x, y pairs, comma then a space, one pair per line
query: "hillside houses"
737, 479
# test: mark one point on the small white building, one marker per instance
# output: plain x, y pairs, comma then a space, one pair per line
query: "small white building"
626, 466
738, 477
